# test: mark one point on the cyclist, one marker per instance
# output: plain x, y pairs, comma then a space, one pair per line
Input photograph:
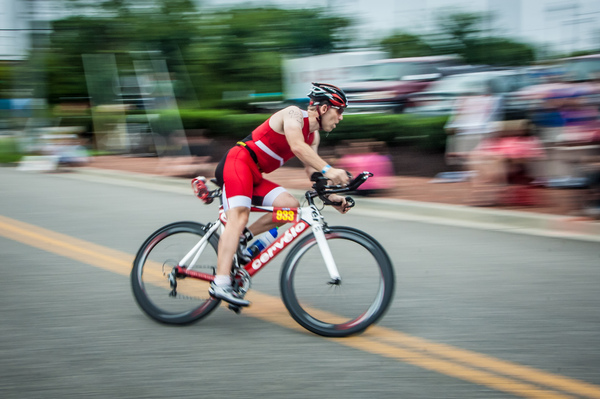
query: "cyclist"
287, 133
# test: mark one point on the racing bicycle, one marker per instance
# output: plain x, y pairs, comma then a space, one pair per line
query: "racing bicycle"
335, 281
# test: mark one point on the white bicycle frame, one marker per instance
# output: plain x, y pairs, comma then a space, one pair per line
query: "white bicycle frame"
307, 216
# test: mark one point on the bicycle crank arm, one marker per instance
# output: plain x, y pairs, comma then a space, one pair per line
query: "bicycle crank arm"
173, 283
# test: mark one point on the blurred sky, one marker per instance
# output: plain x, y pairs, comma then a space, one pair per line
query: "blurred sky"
567, 25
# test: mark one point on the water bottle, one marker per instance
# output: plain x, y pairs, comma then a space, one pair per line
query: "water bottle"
262, 242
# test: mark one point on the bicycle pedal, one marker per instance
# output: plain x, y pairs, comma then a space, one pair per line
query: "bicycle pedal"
237, 309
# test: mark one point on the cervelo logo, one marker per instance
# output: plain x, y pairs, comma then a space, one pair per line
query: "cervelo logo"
278, 245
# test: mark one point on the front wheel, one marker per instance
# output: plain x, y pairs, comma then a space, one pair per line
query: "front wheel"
338, 310
152, 271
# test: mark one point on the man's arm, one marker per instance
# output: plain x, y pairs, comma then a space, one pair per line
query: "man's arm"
292, 128
315, 147
343, 207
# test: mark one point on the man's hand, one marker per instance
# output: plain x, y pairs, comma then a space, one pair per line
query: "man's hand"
343, 207
337, 176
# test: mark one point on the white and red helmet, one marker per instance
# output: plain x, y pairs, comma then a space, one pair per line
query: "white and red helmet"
323, 92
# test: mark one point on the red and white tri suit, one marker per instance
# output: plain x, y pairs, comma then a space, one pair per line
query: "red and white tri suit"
240, 172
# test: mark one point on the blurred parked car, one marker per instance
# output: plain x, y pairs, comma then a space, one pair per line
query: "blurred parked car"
440, 96
585, 68
385, 85
570, 78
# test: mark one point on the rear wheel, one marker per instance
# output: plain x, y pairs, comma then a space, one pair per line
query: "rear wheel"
153, 269
338, 310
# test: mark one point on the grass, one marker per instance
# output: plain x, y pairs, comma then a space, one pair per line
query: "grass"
9, 150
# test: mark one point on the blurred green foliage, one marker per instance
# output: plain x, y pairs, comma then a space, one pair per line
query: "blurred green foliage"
242, 49
405, 129
404, 44
229, 50
9, 150
464, 34
468, 35
6, 78
426, 133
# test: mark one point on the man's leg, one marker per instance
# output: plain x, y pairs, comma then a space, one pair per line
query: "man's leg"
239, 174
489, 179
237, 218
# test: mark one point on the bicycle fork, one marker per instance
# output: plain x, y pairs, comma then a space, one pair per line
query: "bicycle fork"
317, 224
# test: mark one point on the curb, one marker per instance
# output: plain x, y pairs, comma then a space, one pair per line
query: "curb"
509, 220
515, 221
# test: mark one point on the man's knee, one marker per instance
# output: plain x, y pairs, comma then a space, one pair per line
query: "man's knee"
238, 216
286, 200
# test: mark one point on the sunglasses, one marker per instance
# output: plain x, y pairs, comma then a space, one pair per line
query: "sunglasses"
339, 110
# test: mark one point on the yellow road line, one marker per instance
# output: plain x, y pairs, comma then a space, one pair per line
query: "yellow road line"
487, 362
459, 363
67, 246
263, 307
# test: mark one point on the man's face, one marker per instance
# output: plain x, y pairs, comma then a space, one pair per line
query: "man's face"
330, 117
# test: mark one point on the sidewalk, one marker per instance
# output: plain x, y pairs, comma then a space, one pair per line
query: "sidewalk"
557, 214
553, 201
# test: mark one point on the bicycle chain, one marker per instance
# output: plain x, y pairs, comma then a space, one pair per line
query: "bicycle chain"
187, 297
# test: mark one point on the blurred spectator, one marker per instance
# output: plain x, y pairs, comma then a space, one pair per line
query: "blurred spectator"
548, 119
502, 165
592, 173
566, 116
581, 121
469, 123
360, 155
68, 149
579, 139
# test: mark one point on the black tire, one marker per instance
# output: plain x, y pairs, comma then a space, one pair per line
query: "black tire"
155, 260
362, 298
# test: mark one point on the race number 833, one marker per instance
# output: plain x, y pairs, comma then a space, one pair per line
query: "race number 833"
285, 215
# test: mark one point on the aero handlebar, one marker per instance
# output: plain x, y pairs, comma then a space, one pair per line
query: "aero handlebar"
322, 190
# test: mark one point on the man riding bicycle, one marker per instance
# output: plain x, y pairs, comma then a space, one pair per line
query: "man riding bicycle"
287, 133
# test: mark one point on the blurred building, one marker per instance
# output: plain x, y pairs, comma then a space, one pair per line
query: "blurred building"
15, 30
23, 23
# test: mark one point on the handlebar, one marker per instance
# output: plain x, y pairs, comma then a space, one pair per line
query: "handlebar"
322, 190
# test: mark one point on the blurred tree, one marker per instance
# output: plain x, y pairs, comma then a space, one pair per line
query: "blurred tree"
458, 30
405, 44
499, 51
6, 79
242, 49
468, 35
120, 27
71, 38
238, 49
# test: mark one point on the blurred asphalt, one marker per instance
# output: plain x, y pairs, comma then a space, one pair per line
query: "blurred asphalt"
412, 198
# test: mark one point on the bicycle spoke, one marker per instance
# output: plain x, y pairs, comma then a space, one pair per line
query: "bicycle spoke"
360, 298
183, 299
